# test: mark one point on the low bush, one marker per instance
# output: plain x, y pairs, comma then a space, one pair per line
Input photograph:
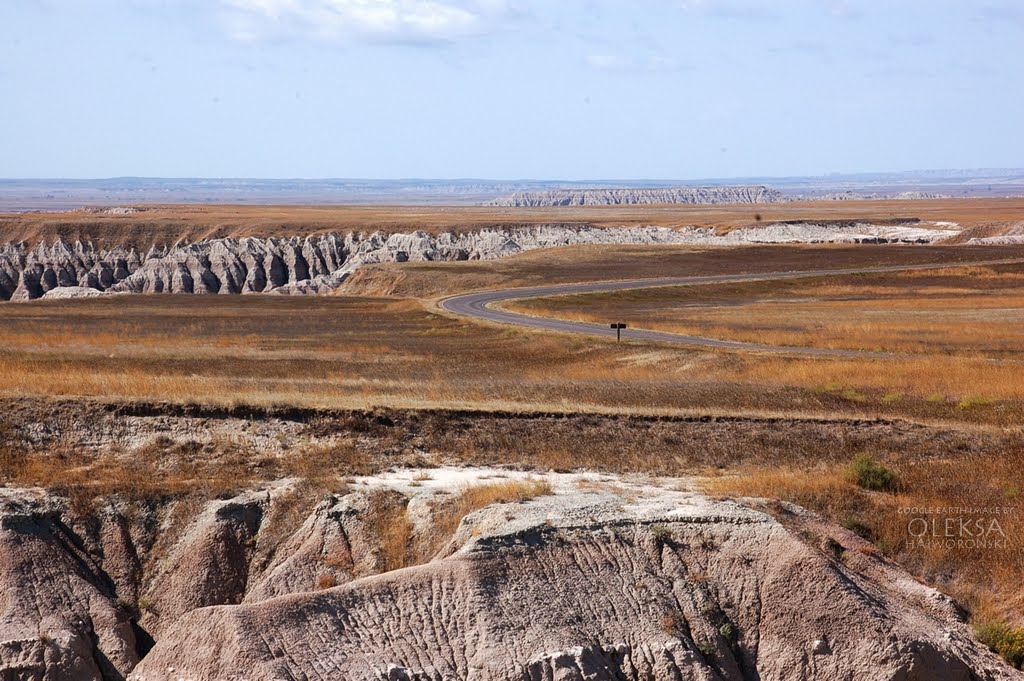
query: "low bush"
1006, 640
871, 475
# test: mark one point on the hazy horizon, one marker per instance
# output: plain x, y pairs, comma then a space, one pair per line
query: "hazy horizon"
940, 172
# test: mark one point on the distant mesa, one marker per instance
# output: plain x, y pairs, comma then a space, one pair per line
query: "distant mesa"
638, 196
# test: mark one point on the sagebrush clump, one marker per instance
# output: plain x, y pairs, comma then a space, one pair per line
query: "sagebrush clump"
871, 475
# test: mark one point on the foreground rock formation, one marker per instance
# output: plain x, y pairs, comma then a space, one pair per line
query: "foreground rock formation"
633, 196
587, 576
322, 262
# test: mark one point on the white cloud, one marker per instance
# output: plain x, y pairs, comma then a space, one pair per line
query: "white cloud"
611, 62
373, 20
730, 9
603, 61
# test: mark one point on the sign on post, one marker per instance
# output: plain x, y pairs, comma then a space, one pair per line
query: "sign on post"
618, 326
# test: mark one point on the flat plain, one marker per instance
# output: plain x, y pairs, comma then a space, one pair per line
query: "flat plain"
167, 224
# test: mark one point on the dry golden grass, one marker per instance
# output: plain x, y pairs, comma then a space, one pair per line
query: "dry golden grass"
363, 353
163, 224
601, 263
166, 468
962, 383
337, 352
447, 515
387, 519
950, 325
325, 465
398, 545
974, 311
505, 492
987, 579
158, 470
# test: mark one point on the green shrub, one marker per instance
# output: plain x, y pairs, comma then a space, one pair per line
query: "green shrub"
708, 650
662, 534
1006, 640
871, 475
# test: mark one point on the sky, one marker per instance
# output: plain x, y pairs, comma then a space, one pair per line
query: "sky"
508, 89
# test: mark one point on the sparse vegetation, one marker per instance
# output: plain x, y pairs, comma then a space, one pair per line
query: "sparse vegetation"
1004, 639
325, 465
708, 650
326, 581
986, 581
450, 512
387, 519
871, 475
662, 534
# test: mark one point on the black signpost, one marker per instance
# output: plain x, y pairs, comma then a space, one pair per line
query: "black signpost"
618, 326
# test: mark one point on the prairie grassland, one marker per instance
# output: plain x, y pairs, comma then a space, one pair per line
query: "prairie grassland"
971, 311
426, 280
947, 325
360, 353
166, 224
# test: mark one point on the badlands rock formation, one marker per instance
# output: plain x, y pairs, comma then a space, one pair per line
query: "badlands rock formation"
614, 197
603, 579
317, 263
609, 581
1012, 234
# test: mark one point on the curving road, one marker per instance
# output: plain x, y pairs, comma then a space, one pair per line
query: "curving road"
478, 305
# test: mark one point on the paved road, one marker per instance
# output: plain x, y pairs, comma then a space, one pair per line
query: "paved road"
478, 305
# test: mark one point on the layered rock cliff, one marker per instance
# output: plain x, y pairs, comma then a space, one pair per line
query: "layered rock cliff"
312, 264
633, 196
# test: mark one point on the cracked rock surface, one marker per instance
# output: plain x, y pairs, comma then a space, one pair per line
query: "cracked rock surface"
604, 579
599, 577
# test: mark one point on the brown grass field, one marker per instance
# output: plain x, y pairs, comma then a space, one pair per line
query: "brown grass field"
345, 352
970, 312
164, 224
957, 331
429, 280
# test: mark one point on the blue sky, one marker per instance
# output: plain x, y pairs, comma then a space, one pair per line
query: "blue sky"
548, 89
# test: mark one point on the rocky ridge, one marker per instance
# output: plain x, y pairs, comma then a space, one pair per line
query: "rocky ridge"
635, 196
601, 578
1010, 235
321, 263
